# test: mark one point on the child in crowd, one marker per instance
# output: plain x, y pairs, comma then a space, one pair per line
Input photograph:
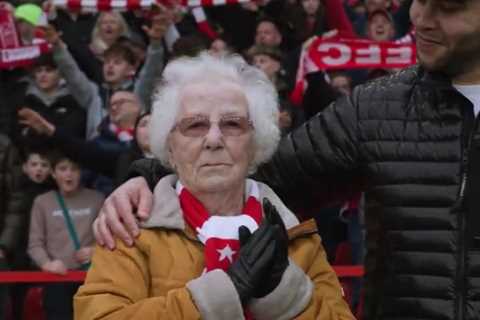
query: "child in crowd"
61, 236
47, 93
34, 181
30, 180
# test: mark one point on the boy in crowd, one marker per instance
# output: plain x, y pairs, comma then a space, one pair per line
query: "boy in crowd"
48, 94
118, 72
61, 237
269, 60
30, 180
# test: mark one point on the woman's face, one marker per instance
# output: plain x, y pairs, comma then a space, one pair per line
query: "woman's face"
211, 145
143, 134
310, 6
110, 27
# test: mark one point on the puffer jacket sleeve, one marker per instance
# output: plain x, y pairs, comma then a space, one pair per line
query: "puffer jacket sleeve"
118, 287
320, 151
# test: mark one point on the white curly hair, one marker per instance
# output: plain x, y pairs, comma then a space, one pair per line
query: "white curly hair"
261, 96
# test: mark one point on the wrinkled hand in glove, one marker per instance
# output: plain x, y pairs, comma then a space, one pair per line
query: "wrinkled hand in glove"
280, 260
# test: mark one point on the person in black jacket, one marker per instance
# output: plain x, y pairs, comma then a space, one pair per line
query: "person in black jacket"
48, 94
412, 143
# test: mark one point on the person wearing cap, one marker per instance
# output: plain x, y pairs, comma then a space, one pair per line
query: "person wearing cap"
361, 18
381, 26
269, 60
28, 17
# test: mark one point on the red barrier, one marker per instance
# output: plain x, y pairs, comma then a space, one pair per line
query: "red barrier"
79, 276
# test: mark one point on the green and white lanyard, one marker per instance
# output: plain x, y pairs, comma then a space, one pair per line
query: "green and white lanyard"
70, 227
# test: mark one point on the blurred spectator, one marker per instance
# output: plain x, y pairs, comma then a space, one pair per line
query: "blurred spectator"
76, 28
308, 20
28, 17
268, 33
118, 72
399, 15
116, 137
49, 95
220, 46
342, 82
269, 60
380, 26
61, 237
110, 26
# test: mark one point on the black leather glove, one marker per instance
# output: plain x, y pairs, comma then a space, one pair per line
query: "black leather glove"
254, 260
280, 262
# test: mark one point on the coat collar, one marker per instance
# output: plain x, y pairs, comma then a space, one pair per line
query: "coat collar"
166, 212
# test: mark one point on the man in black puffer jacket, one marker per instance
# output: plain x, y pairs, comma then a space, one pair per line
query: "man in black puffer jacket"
414, 141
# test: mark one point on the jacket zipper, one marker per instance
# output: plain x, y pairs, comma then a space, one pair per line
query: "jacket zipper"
460, 281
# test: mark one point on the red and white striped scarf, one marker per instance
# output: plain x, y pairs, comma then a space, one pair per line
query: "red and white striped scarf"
128, 5
12, 53
219, 234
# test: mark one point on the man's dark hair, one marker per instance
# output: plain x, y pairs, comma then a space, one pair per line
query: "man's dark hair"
43, 151
122, 51
56, 156
44, 60
189, 46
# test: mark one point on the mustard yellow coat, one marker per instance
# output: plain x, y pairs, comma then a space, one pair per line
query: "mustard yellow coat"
160, 277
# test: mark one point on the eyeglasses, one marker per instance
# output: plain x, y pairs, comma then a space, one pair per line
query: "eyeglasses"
230, 126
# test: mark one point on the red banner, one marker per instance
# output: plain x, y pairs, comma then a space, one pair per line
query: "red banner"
336, 53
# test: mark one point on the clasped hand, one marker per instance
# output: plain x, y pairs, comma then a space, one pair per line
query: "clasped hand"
263, 257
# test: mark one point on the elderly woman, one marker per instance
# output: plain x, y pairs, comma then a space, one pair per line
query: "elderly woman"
209, 251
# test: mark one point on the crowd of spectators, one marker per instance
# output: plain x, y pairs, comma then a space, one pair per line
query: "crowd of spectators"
86, 104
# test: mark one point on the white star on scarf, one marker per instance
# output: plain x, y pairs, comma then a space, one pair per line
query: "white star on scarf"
226, 252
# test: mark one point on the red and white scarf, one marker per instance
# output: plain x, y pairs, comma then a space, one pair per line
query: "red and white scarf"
122, 134
129, 5
219, 234
338, 53
12, 53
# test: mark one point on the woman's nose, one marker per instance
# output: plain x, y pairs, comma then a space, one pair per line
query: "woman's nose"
213, 138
